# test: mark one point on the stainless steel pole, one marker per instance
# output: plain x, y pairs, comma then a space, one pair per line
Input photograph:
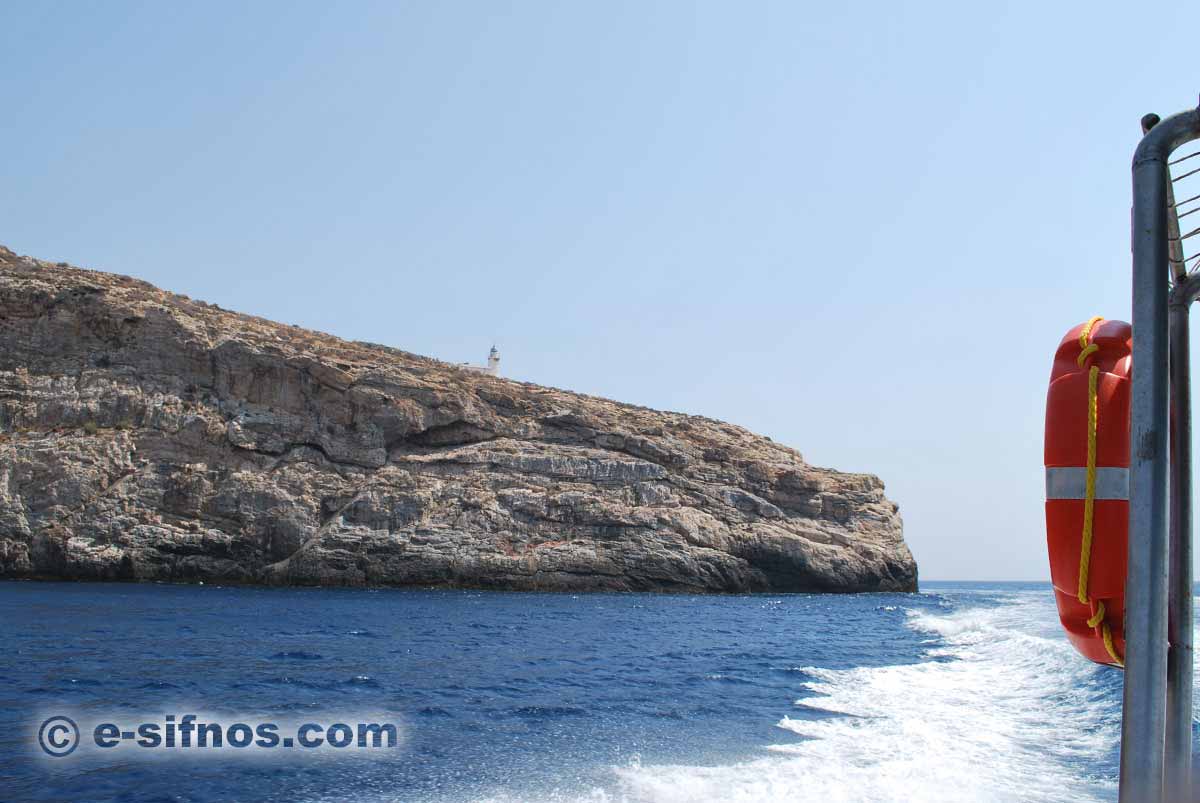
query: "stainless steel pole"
1143, 726
1178, 758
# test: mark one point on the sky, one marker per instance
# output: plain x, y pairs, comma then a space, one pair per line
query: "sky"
858, 228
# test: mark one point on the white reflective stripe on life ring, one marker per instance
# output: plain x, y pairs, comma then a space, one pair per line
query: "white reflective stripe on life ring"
1071, 483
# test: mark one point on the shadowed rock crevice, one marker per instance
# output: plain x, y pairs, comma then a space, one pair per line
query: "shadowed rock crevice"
148, 436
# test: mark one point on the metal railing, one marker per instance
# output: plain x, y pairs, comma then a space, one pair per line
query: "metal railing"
1156, 729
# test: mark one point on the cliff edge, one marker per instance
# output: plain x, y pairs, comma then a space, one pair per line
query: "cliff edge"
147, 436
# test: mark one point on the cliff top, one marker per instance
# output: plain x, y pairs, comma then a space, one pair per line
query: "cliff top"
343, 364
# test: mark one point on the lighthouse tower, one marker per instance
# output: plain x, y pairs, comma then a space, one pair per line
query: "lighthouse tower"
493, 365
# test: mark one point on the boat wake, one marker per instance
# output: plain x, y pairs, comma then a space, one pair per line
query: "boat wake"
1000, 709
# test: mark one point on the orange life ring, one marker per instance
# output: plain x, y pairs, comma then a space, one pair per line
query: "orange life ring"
1087, 455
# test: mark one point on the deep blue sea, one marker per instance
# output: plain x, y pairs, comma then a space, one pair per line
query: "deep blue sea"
962, 692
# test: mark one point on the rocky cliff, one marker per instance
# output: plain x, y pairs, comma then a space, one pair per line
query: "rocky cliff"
144, 435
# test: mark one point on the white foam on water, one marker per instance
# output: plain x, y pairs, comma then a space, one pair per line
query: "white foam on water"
1002, 709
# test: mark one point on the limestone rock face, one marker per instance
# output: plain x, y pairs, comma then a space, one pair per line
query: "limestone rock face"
146, 436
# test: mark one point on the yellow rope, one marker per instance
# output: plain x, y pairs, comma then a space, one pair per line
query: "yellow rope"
1089, 503
1084, 336
1089, 499
1106, 631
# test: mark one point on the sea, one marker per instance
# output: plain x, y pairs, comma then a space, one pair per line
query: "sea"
962, 692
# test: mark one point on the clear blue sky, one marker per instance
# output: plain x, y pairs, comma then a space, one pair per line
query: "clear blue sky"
858, 228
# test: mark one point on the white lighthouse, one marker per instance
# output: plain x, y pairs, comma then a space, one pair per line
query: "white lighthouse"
492, 367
